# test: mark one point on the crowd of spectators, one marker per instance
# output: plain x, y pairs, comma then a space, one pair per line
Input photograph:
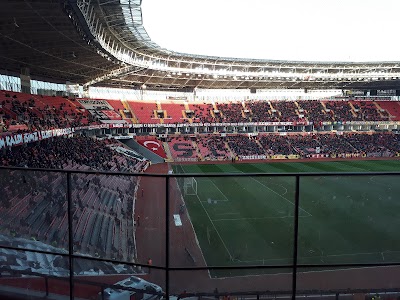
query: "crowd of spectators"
374, 145
368, 111
261, 111
243, 145
25, 112
34, 206
287, 111
182, 148
334, 144
59, 152
341, 111
276, 145
202, 113
314, 111
213, 147
232, 112
302, 145
40, 112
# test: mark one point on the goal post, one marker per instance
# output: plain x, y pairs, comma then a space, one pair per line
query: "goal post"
190, 186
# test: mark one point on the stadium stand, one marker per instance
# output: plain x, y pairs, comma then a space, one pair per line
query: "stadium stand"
261, 111
296, 145
287, 111
389, 108
69, 224
244, 146
42, 112
232, 112
173, 112
145, 112
182, 148
367, 111
374, 145
213, 148
341, 111
117, 105
333, 144
103, 207
202, 112
24, 112
276, 145
314, 111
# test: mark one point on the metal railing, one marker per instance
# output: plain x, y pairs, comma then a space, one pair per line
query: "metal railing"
72, 255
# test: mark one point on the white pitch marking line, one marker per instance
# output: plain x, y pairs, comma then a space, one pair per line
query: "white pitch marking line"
228, 213
219, 190
319, 256
280, 195
212, 200
260, 218
223, 243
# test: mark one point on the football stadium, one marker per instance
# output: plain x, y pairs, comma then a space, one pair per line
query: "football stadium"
130, 169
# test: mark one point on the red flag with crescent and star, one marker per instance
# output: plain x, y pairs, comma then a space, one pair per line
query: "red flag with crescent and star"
153, 145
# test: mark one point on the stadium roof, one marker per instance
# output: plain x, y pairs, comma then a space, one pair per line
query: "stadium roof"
41, 36
104, 42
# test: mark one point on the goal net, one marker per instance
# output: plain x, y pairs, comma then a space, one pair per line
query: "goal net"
190, 186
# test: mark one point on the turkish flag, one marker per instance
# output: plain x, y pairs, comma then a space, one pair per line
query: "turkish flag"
153, 145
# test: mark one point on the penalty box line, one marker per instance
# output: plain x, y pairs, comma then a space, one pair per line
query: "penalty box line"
210, 180
215, 228
212, 223
283, 197
272, 190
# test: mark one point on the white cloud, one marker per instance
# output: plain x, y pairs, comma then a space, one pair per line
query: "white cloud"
319, 30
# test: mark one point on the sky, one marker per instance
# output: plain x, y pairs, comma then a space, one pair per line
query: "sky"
317, 30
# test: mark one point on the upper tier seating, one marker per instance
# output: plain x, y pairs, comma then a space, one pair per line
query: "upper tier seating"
144, 111
202, 112
42, 112
392, 108
341, 111
232, 112
261, 111
286, 110
314, 111
173, 112
24, 112
368, 111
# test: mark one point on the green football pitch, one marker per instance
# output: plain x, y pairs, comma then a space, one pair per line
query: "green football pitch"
243, 221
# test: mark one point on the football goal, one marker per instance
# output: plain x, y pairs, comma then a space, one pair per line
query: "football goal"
190, 186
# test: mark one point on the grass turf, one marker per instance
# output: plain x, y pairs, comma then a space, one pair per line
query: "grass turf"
249, 221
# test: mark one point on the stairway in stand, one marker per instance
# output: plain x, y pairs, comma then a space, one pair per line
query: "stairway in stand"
168, 152
197, 150
230, 150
